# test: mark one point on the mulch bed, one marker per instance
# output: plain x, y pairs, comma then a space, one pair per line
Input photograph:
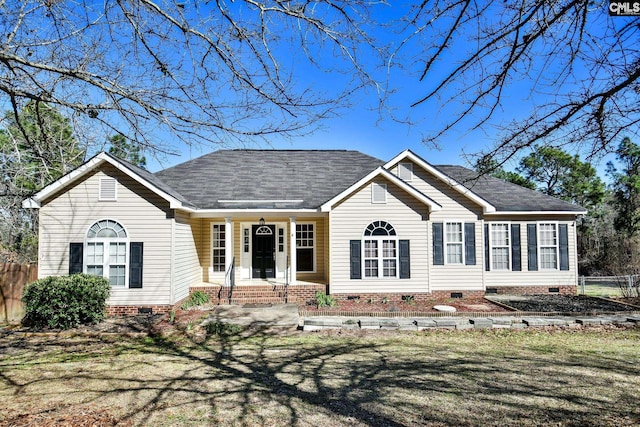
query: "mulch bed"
565, 304
466, 305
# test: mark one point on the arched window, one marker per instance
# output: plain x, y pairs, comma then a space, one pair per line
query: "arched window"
107, 251
380, 250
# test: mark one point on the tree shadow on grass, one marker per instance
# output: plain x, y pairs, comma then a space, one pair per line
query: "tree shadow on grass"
257, 378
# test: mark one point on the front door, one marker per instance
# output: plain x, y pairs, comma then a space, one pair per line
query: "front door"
263, 257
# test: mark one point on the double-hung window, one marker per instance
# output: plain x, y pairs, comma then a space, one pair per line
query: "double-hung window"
380, 250
500, 247
305, 247
106, 252
218, 254
548, 246
454, 242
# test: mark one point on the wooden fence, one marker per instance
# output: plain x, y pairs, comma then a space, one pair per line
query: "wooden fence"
13, 278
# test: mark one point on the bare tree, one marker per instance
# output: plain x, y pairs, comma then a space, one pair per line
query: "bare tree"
578, 67
221, 72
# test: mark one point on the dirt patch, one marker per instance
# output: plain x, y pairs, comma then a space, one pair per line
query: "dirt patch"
563, 304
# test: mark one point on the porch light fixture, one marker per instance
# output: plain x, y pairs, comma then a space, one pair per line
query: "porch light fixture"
261, 222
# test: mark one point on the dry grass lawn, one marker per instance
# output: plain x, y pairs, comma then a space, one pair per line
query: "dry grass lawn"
465, 378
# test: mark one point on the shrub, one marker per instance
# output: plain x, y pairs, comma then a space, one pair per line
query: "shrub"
65, 302
222, 329
323, 300
195, 299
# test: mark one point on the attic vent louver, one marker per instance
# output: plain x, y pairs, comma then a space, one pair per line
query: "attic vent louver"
107, 189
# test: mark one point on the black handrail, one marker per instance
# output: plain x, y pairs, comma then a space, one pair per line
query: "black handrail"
286, 281
230, 277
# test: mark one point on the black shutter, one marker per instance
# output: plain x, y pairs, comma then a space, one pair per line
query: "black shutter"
135, 264
405, 263
487, 261
356, 265
438, 248
516, 261
532, 246
470, 243
75, 257
563, 240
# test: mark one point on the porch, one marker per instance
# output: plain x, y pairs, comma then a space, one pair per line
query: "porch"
260, 291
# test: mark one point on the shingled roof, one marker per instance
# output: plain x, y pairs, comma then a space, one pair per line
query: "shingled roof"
506, 196
305, 179
267, 179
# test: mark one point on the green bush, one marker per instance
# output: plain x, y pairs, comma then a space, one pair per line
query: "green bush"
222, 329
195, 299
323, 300
66, 301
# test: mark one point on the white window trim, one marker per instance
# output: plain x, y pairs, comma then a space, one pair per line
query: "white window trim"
314, 241
115, 189
373, 192
445, 242
105, 252
491, 246
380, 257
212, 272
409, 167
539, 245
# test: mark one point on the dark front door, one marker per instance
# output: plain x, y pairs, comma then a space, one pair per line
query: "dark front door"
263, 259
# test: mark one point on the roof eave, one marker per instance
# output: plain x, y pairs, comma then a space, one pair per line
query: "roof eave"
574, 213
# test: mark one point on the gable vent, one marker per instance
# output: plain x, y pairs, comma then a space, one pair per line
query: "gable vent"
107, 190
378, 193
405, 171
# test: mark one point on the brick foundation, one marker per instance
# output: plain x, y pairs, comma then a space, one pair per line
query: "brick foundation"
219, 294
133, 310
417, 296
531, 290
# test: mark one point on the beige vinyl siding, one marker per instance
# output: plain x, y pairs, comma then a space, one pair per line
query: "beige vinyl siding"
187, 270
454, 204
348, 221
67, 216
456, 277
539, 277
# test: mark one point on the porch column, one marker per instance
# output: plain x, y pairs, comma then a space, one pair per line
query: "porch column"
228, 244
292, 250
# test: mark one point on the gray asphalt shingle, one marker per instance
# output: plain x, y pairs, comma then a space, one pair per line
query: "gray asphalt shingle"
305, 179
297, 179
504, 195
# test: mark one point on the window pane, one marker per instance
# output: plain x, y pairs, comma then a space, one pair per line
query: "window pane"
116, 275
95, 253
454, 232
304, 259
547, 234
389, 268
454, 253
371, 268
500, 234
370, 248
117, 253
94, 270
389, 248
500, 258
548, 258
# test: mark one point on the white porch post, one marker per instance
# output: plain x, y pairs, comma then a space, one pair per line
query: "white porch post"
228, 244
292, 250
